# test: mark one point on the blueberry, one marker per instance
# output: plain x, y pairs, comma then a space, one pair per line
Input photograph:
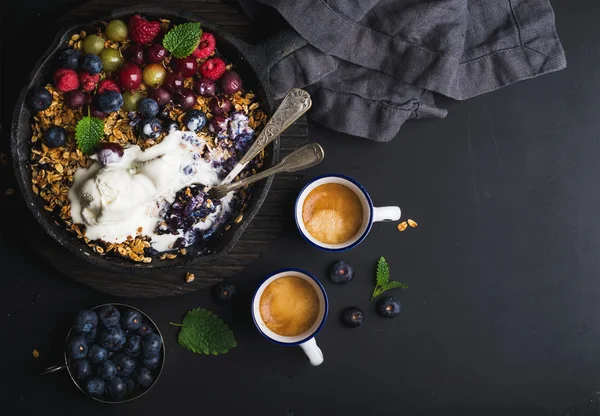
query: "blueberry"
111, 339
131, 320
353, 317
91, 63
39, 98
130, 384
223, 292
171, 126
78, 347
94, 386
144, 329
55, 136
69, 58
125, 365
151, 362
194, 120
85, 321
388, 306
109, 101
150, 128
107, 370
91, 336
151, 345
148, 107
109, 316
96, 354
341, 272
116, 388
143, 377
133, 346
82, 369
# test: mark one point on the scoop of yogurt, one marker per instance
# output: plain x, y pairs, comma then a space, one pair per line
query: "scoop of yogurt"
126, 198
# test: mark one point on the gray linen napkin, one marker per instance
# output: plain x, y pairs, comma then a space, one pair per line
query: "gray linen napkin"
370, 65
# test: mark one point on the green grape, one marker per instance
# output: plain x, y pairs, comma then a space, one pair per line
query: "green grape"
111, 59
154, 75
131, 99
93, 44
116, 30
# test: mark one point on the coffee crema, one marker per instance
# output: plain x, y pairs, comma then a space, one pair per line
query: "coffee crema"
332, 213
289, 306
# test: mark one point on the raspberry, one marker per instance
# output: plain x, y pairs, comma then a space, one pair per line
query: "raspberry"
66, 80
206, 46
212, 68
88, 82
141, 30
108, 85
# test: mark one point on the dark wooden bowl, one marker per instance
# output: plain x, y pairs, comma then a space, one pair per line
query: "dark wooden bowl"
252, 62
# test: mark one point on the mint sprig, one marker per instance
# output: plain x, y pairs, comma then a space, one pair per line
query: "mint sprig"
88, 133
383, 282
203, 332
183, 39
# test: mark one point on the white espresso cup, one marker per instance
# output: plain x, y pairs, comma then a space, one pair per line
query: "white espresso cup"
305, 340
371, 213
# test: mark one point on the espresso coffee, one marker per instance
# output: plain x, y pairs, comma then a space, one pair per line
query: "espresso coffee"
289, 306
332, 213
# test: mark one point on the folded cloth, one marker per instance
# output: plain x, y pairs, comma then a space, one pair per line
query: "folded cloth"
370, 65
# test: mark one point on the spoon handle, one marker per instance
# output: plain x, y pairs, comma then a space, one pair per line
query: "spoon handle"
305, 157
294, 105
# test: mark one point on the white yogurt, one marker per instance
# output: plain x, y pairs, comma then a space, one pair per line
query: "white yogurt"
116, 200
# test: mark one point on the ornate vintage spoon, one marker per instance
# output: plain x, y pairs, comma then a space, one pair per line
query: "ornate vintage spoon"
305, 157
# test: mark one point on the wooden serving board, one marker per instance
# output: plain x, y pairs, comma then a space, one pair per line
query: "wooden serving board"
263, 229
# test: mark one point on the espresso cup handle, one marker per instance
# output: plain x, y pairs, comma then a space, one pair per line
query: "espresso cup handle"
312, 351
386, 214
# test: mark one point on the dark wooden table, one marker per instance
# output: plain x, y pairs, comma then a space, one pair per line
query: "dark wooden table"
502, 316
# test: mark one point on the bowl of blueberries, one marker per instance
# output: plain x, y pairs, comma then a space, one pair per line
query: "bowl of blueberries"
114, 353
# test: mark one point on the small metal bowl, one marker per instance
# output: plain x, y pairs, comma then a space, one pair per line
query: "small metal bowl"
128, 397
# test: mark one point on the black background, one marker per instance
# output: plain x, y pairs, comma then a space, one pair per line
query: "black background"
502, 315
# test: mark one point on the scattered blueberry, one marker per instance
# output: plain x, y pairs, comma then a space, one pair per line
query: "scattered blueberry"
388, 306
69, 58
116, 388
125, 365
112, 338
171, 126
353, 317
133, 346
151, 362
55, 136
341, 272
145, 329
150, 128
91, 336
39, 98
85, 321
82, 369
224, 291
143, 377
107, 370
194, 120
78, 347
151, 345
148, 107
131, 320
91, 63
109, 101
94, 386
96, 354
109, 316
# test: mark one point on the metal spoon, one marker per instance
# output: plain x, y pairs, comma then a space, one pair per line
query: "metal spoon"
305, 157
294, 105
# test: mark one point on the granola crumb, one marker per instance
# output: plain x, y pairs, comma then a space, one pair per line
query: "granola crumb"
412, 223
10, 191
402, 226
189, 277
4, 159
36, 353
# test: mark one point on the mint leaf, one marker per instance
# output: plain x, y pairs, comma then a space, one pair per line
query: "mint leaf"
203, 332
383, 282
88, 133
183, 39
